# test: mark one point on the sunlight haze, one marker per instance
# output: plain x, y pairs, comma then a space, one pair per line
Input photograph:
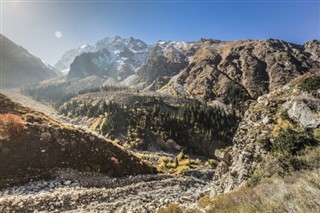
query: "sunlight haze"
31, 24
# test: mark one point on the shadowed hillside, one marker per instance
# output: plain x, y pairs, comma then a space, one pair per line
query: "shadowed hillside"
41, 144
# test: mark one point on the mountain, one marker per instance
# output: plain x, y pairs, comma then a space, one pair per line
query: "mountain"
242, 69
20, 67
166, 59
37, 145
111, 57
207, 69
222, 78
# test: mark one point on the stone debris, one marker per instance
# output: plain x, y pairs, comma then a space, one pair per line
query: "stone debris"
73, 191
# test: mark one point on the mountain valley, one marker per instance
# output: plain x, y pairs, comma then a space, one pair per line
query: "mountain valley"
170, 127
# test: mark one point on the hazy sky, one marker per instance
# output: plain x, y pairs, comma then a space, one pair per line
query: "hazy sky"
49, 28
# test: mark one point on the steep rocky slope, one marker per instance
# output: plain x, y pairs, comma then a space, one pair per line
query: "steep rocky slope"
20, 67
274, 135
166, 59
313, 47
44, 144
238, 70
115, 58
273, 164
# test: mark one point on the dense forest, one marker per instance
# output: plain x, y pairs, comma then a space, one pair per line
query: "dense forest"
143, 122
198, 127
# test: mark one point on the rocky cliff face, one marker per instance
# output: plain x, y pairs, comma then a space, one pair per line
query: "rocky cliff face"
20, 67
313, 47
166, 60
295, 106
245, 68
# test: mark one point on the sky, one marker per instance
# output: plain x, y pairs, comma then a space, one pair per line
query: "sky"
48, 28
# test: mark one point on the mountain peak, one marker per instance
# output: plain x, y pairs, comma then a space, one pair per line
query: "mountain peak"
21, 67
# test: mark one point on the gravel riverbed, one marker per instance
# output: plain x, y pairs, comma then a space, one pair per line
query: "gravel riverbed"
72, 191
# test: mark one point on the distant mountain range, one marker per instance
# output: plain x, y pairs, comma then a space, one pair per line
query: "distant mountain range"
20, 67
207, 69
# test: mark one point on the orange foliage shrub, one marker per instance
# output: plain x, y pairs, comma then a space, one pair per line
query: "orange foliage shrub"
11, 124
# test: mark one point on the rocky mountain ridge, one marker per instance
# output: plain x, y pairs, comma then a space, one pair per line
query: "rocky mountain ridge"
20, 67
207, 69
246, 69
113, 57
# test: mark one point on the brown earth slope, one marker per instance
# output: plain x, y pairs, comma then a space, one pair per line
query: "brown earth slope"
46, 144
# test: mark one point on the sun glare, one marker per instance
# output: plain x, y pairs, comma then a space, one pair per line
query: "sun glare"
58, 34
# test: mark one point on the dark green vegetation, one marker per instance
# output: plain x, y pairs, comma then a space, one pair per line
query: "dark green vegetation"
310, 84
199, 128
144, 121
289, 145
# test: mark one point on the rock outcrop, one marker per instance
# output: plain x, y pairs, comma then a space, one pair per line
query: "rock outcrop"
313, 47
290, 107
166, 60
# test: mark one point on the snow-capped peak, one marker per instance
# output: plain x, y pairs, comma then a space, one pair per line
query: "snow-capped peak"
84, 46
113, 45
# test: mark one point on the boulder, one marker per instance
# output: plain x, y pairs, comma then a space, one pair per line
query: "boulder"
301, 113
223, 156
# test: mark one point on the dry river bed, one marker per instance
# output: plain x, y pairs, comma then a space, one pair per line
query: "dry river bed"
73, 191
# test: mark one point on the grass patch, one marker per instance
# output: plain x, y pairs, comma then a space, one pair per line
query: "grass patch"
171, 208
178, 164
298, 192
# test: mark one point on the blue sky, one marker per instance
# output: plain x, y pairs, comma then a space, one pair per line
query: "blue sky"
33, 24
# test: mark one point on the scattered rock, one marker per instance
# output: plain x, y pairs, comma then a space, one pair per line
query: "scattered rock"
222, 155
67, 182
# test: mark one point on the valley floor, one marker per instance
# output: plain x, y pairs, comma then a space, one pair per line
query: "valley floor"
77, 192
72, 191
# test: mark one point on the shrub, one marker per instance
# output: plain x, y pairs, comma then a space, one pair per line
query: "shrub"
211, 163
181, 156
290, 142
256, 179
171, 208
310, 84
10, 124
288, 146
